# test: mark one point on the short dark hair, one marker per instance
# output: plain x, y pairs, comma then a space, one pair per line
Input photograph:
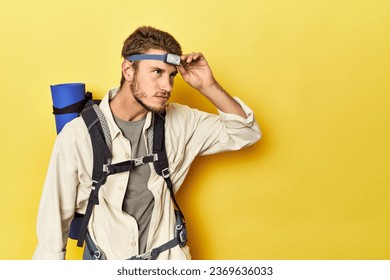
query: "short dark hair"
145, 38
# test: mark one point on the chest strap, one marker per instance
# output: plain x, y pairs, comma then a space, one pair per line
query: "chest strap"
128, 165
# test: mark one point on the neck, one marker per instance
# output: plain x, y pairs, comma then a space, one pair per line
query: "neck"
125, 107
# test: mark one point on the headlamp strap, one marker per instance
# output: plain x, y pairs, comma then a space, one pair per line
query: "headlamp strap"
169, 58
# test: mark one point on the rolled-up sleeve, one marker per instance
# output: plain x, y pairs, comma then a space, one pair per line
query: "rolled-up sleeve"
241, 131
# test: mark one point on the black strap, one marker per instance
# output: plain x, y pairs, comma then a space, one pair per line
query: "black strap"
179, 239
161, 166
153, 255
94, 252
102, 156
75, 107
128, 165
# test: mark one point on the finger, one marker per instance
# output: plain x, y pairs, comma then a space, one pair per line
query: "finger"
181, 69
192, 58
183, 63
185, 60
189, 58
197, 56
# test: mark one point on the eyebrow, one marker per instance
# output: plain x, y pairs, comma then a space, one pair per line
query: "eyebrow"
163, 70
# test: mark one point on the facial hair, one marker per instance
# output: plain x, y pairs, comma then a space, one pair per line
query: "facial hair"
138, 94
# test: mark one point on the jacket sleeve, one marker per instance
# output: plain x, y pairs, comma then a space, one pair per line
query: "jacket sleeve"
57, 204
190, 132
201, 133
230, 132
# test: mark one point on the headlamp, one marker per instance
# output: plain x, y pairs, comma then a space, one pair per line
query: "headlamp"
169, 58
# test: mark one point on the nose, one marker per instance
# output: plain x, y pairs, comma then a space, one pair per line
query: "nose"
166, 84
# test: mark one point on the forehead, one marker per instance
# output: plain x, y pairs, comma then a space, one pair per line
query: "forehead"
152, 64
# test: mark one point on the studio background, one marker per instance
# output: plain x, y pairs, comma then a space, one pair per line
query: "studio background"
316, 74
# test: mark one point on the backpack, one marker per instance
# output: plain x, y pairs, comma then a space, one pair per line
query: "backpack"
98, 129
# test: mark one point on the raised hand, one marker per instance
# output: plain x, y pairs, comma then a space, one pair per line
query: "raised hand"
196, 71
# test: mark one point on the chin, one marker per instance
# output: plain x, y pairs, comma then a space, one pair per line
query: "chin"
159, 110
156, 109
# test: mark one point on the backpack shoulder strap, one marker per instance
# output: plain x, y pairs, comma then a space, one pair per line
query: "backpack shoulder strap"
162, 164
101, 147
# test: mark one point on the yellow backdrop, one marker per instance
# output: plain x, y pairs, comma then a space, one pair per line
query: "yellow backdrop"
316, 73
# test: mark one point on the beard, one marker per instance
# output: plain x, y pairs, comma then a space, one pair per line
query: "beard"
139, 95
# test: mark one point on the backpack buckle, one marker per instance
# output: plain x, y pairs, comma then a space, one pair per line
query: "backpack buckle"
96, 255
106, 168
144, 256
181, 233
165, 172
138, 161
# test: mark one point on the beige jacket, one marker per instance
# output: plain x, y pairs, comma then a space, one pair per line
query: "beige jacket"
188, 133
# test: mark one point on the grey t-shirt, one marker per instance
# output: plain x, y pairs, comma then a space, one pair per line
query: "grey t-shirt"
139, 200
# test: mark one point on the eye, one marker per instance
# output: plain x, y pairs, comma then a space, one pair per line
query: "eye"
173, 75
158, 71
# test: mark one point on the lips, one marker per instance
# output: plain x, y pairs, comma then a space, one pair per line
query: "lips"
164, 97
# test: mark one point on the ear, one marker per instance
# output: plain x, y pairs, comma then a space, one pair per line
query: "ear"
127, 70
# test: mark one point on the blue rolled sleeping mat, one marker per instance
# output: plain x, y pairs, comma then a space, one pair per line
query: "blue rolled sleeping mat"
68, 101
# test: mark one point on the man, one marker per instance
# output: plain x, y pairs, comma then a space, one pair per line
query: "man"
135, 213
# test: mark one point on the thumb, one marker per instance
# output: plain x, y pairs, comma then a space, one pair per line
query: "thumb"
182, 70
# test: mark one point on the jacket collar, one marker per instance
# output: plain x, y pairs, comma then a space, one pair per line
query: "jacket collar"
105, 107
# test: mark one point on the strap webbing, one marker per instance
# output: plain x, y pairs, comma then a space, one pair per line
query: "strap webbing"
130, 164
153, 255
161, 166
75, 107
179, 239
102, 155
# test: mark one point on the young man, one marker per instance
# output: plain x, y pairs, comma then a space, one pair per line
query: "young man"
135, 214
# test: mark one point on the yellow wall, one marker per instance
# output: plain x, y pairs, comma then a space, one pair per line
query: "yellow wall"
316, 74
